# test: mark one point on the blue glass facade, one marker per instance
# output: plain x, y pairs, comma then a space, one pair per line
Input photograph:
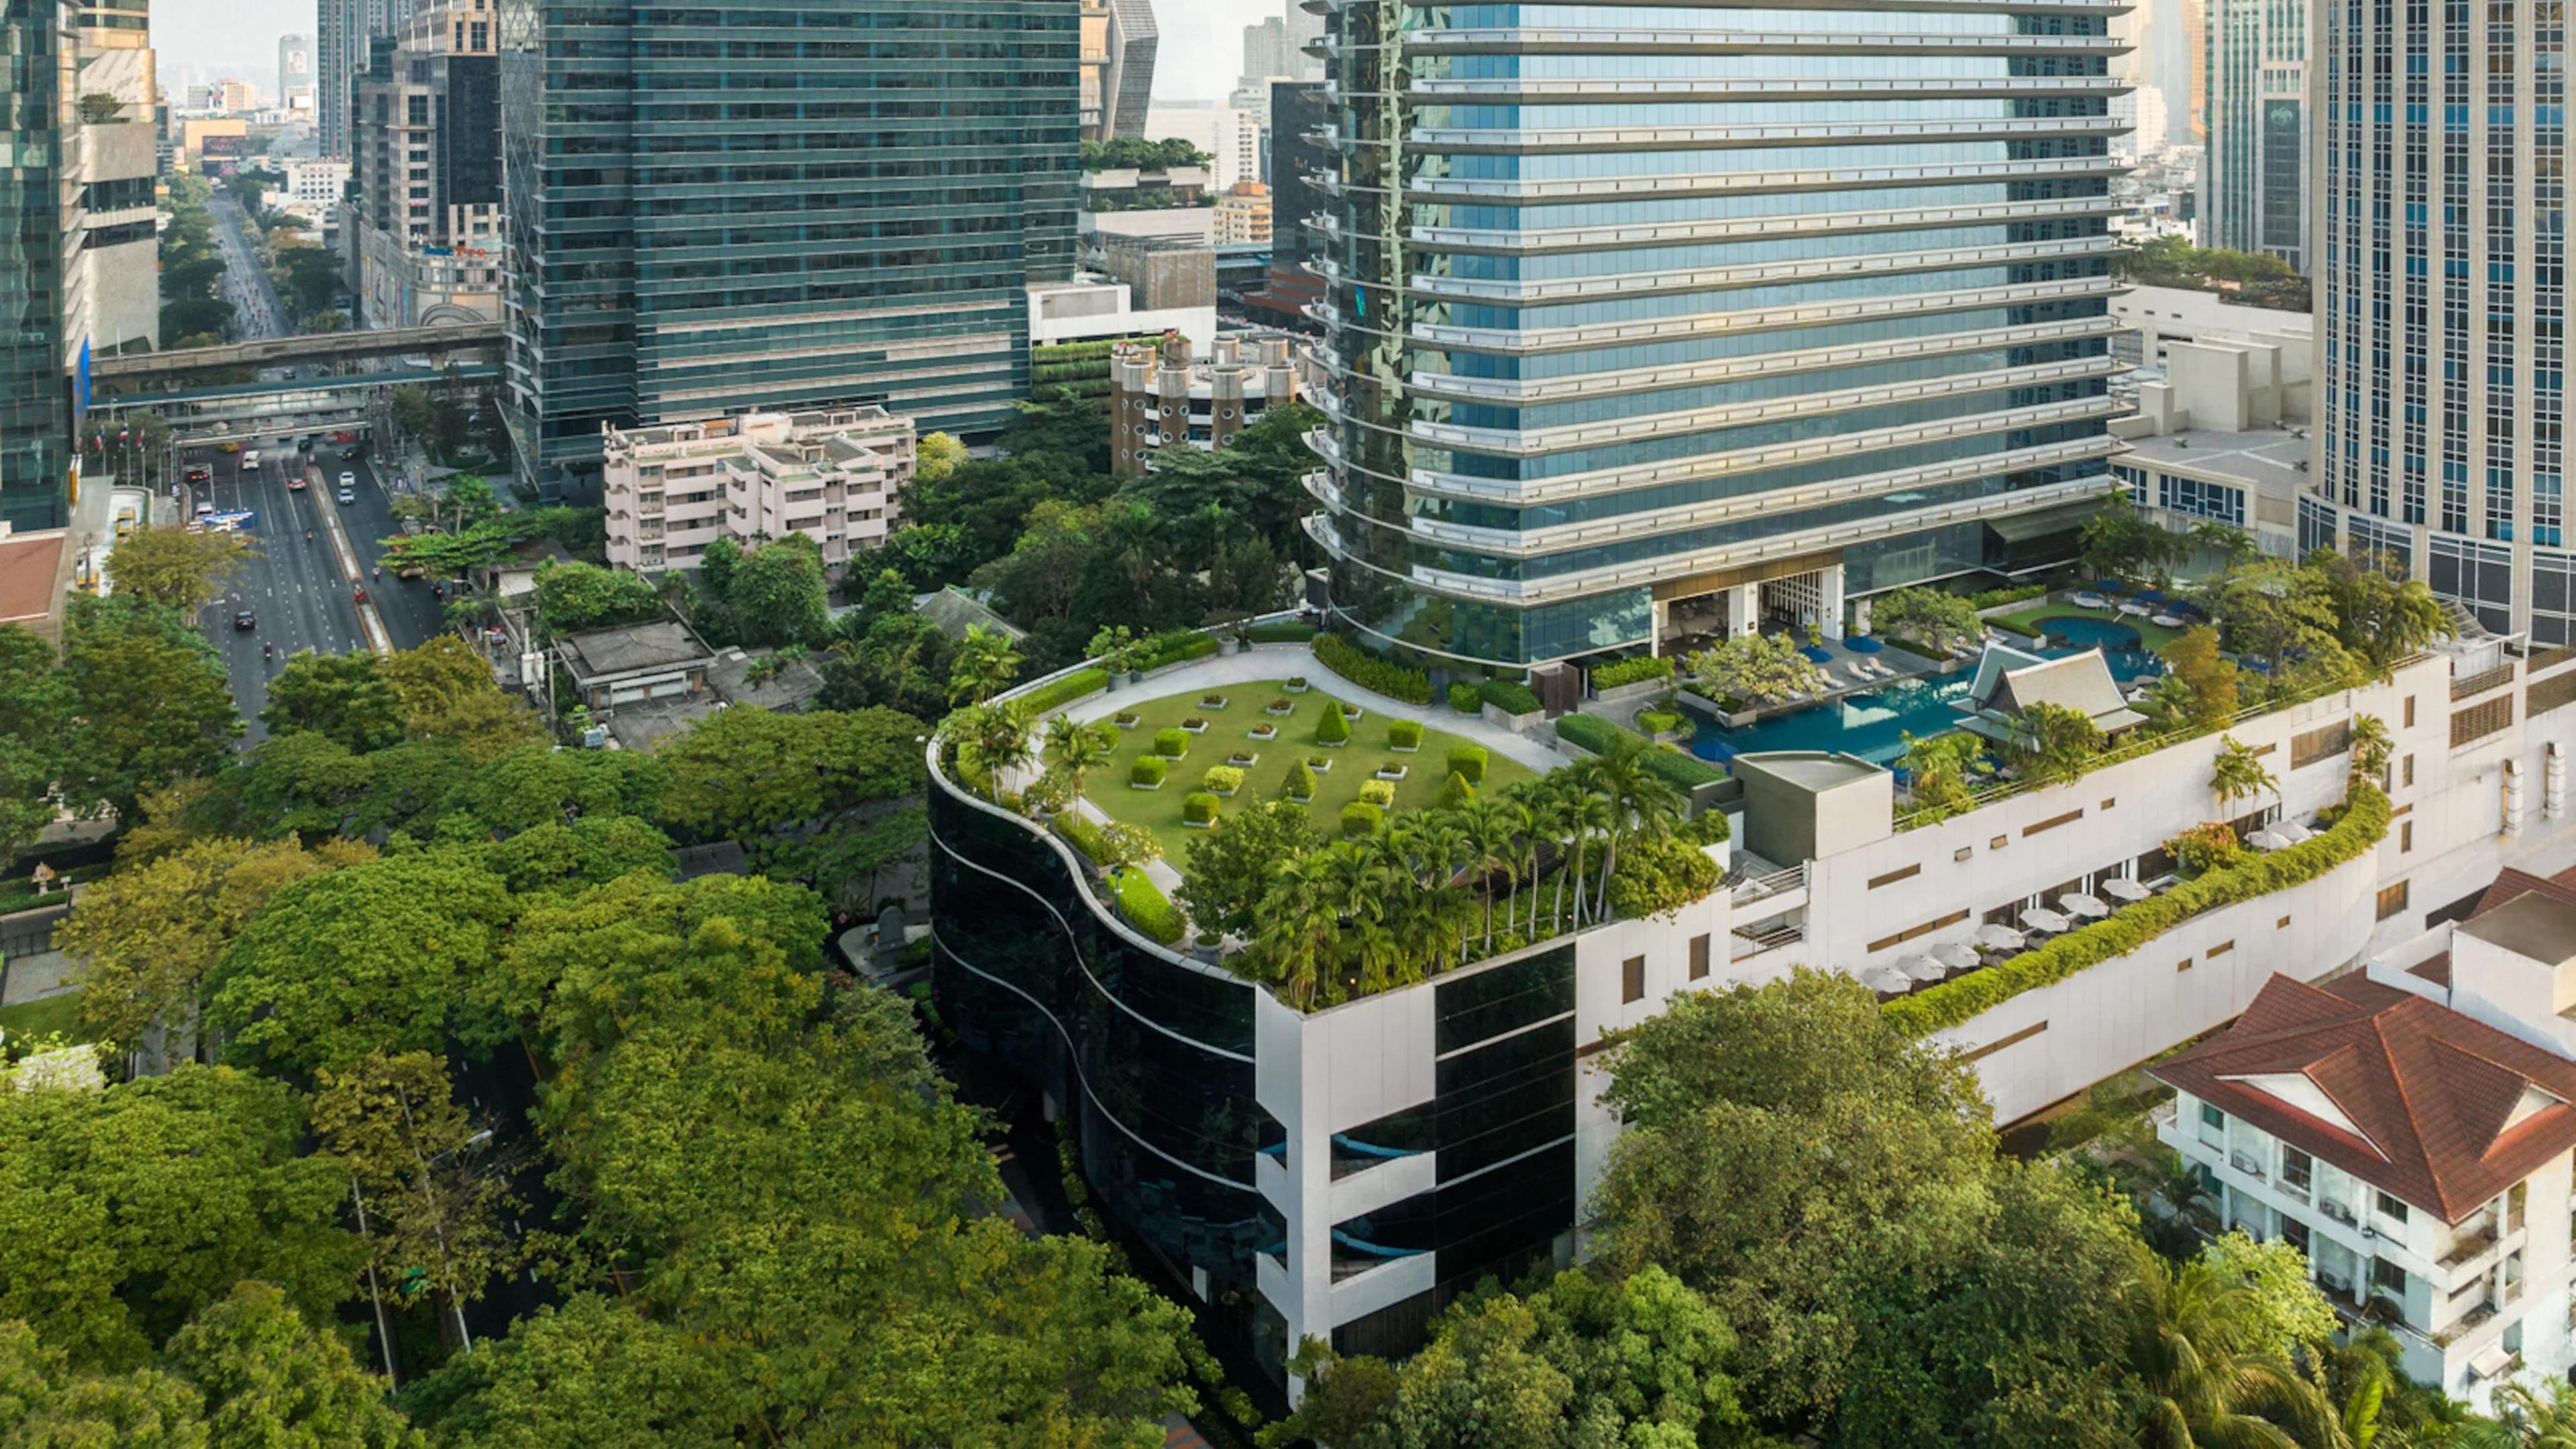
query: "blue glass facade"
35, 403
1627, 296
2254, 177
779, 206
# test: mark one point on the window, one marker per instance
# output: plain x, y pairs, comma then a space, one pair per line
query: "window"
2405, 836
2221, 949
2210, 1116
2320, 744
2516, 1203
2387, 1277
2392, 900
2390, 1208
1632, 979
1699, 958
2296, 1169
1893, 876
2409, 770
2410, 712
2481, 720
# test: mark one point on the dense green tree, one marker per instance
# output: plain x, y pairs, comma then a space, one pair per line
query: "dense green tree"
2380, 616
149, 702
444, 690
572, 597
127, 1209
746, 771
1231, 868
438, 1211
776, 595
892, 658
272, 1377
179, 570
2052, 743
342, 697
594, 1373
386, 956
570, 856
536, 784
45, 1402
35, 737
2119, 541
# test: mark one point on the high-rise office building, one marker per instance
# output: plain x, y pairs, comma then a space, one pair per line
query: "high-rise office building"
1119, 41
343, 31
695, 230
111, 250
2441, 233
2254, 181
295, 76
1648, 332
428, 143
36, 43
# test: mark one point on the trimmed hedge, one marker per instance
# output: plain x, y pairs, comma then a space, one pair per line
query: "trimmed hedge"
1468, 761
1456, 792
1404, 734
2364, 822
1997, 598
1332, 729
1632, 671
1368, 671
1298, 783
1145, 907
1361, 818
1280, 631
1199, 808
1172, 743
1148, 771
1079, 833
1510, 696
1063, 691
1464, 698
1683, 772
1221, 778
1174, 647
1380, 793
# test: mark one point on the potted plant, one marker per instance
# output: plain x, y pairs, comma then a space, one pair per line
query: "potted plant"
1352, 711
1298, 784
1283, 705
1380, 793
1212, 702
1125, 718
1320, 764
1242, 758
1333, 731
1195, 724
1171, 744
1265, 732
1147, 773
1208, 947
1391, 771
1198, 810
1297, 685
1221, 781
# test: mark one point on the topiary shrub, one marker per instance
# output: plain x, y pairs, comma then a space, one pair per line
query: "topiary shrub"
1455, 791
1509, 697
1171, 744
2205, 847
1368, 671
1468, 761
1464, 698
1221, 780
1380, 793
1063, 691
1297, 784
1631, 671
1148, 773
1198, 808
1332, 730
1361, 818
1404, 734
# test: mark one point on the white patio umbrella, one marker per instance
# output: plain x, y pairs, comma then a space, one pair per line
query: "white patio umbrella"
2083, 907
2121, 888
1955, 955
1922, 968
2292, 831
1998, 938
2269, 840
1886, 980
2043, 919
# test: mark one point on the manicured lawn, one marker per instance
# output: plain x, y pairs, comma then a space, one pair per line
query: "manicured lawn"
1354, 764
2026, 621
43, 1017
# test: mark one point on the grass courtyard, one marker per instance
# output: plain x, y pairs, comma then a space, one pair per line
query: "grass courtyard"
2026, 622
43, 1017
1230, 729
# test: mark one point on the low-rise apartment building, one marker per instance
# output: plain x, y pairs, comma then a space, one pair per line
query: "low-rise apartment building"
1159, 398
2422, 1155
835, 476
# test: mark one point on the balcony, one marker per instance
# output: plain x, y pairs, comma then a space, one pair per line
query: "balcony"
2340, 1212
2481, 682
2470, 1246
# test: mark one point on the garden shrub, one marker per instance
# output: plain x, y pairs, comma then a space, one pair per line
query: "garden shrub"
1146, 907
1657, 876
1081, 834
1380, 793
1469, 761
2250, 877
1455, 791
1659, 721
1298, 783
1172, 648
1708, 827
1222, 779
2205, 847
1465, 699
1404, 734
1631, 671
1361, 818
1682, 772
1172, 743
1332, 729
1369, 671
1149, 771
1510, 696
1280, 631
1997, 598
1073, 686
1199, 808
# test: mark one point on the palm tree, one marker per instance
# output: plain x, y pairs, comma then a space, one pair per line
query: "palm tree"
2231, 542
2209, 1379
1591, 816
985, 665
994, 738
2371, 743
1490, 831
2238, 773
1077, 748
2532, 1419
1638, 800
1299, 923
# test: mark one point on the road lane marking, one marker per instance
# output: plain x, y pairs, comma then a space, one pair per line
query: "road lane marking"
368, 619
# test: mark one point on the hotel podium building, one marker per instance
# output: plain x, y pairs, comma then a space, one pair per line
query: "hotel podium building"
1667, 320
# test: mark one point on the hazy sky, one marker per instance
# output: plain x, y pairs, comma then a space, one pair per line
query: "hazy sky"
1202, 39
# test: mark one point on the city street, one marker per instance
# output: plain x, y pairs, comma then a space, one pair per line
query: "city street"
256, 310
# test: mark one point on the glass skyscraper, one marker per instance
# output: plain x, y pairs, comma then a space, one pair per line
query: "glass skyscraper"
2254, 182
778, 205
1655, 322
35, 404
2442, 303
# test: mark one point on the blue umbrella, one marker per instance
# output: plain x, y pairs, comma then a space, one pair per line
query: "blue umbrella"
1863, 644
2150, 596
2109, 586
1820, 656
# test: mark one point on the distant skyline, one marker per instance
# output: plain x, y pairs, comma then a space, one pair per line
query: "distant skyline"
1202, 40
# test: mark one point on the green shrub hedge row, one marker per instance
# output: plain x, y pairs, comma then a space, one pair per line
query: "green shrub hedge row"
1368, 671
1682, 772
2364, 821
1510, 696
1040, 701
1174, 647
1464, 698
1080, 833
1146, 907
1631, 671
1997, 598
1280, 631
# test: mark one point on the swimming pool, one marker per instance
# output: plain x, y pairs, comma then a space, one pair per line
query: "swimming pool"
2123, 647
1873, 724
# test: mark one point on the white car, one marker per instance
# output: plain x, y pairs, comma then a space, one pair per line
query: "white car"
250, 459
347, 482
348, 494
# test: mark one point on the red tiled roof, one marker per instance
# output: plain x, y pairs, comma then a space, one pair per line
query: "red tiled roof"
2429, 1088
29, 566
2436, 970
2514, 884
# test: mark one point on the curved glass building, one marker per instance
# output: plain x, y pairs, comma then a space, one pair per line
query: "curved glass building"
1657, 322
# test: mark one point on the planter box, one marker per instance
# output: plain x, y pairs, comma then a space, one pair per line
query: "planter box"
1265, 732
1124, 724
1117, 681
1243, 761
1320, 766
1331, 744
1352, 711
1515, 723
1198, 825
1199, 728
1405, 749
1638, 690
1282, 710
1132, 785
1294, 687
1213, 702
1225, 648
1392, 772
1220, 794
